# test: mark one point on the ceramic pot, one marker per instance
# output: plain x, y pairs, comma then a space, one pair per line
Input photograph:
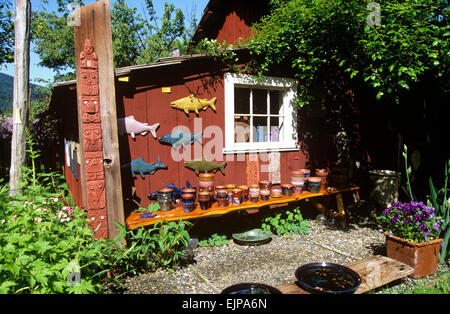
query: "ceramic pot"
237, 195
245, 192
423, 257
276, 191
189, 191
265, 194
287, 189
165, 198
210, 190
298, 188
297, 177
218, 188
323, 174
306, 172
222, 198
265, 185
206, 180
188, 201
204, 199
314, 184
253, 192
230, 187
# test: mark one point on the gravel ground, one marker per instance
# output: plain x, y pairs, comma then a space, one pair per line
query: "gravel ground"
274, 263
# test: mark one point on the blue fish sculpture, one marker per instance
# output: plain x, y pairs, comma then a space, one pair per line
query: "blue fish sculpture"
176, 191
141, 167
179, 138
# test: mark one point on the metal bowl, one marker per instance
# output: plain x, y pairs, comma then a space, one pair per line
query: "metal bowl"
252, 237
250, 288
327, 278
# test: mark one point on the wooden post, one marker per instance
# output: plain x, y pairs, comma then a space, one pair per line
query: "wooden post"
21, 91
98, 126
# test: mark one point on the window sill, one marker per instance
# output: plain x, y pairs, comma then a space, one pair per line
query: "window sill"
266, 149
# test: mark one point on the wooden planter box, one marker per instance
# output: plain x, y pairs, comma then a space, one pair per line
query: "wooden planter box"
423, 257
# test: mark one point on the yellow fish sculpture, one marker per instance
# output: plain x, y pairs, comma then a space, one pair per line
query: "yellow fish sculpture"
192, 103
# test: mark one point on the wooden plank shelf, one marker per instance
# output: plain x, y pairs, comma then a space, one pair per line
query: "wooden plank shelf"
135, 221
375, 271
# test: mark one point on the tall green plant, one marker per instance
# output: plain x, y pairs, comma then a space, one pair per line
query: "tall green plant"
159, 245
407, 173
440, 201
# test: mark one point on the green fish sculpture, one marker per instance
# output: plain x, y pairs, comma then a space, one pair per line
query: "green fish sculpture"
203, 165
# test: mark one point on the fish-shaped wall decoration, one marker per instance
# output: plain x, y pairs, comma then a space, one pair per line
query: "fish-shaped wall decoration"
141, 167
203, 165
176, 191
192, 103
179, 138
130, 126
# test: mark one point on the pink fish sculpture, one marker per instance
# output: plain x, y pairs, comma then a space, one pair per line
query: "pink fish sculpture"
130, 126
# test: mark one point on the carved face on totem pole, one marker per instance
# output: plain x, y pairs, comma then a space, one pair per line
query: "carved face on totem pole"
89, 82
96, 194
91, 109
88, 57
92, 135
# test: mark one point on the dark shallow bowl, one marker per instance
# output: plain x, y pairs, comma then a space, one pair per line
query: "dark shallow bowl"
252, 237
327, 278
250, 288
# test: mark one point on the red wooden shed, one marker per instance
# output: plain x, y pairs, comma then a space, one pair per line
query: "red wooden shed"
254, 126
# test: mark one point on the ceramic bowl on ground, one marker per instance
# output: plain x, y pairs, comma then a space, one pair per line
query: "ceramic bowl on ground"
250, 288
327, 278
252, 237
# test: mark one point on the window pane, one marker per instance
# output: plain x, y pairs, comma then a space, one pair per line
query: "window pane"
260, 101
241, 129
259, 129
276, 129
275, 102
242, 100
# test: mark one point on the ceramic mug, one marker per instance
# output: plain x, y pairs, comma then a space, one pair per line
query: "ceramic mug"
265, 194
188, 201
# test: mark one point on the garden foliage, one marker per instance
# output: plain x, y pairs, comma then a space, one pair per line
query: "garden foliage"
288, 222
47, 245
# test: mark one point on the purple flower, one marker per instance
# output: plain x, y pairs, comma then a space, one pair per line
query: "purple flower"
425, 215
394, 219
406, 221
416, 217
436, 226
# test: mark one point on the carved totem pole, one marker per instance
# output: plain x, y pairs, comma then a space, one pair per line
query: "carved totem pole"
92, 140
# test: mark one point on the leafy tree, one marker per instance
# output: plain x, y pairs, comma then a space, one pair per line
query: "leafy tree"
312, 37
337, 54
6, 32
137, 39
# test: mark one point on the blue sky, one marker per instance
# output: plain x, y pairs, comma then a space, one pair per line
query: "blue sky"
40, 72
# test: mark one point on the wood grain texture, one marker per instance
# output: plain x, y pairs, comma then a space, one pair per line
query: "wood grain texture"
95, 24
134, 221
375, 271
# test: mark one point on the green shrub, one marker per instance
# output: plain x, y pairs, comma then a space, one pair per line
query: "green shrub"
43, 241
149, 248
214, 240
286, 223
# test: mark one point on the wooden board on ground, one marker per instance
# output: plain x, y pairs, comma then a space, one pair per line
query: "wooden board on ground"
375, 271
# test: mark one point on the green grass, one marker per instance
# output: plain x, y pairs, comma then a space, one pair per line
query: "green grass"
439, 285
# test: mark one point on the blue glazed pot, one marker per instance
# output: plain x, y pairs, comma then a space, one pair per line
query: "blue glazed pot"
188, 202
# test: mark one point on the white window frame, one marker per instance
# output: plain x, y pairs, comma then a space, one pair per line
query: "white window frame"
288, 88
